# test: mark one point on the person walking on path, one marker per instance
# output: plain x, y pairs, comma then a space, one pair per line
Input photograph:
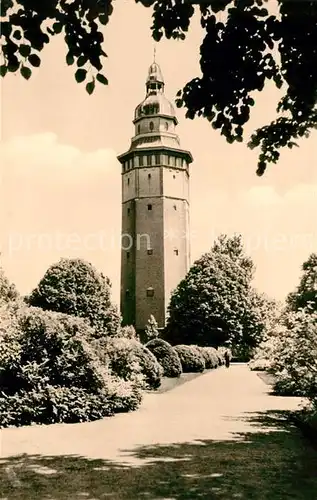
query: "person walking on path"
227, 359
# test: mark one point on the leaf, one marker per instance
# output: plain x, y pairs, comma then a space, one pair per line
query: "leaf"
26, 72
81, 61
157, 35
25, 50
80, 75
34, 60
102, 79
90, 87
13, 64
3, 70
57, 27
69, 59
17, 35
179, 103
103, 18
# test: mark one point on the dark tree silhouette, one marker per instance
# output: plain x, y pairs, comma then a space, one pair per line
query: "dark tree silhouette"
238, 56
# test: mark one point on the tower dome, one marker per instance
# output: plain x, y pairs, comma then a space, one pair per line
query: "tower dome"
155, 104
155, 101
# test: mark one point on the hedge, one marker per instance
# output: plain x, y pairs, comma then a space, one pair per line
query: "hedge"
190, 357
167, 357
50, 373
210, 356
129, 359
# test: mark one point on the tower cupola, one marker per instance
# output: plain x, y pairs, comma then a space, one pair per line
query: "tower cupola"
155, 102
155, 80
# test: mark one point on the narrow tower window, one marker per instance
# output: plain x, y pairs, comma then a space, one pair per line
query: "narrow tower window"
150, 292
149, 176
128, 180
141, 161
128, 255
151, 126
139, 129
157, 159
176, 251
166, 126
149, 207
149, 160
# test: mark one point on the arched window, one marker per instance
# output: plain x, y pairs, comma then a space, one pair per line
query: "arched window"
139, 129
151, 126
166, 126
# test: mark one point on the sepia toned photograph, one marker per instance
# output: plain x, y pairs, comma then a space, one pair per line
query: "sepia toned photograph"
158, 250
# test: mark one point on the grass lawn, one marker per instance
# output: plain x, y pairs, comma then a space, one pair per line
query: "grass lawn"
171, 383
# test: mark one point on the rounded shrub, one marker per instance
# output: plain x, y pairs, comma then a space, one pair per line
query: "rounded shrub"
75, 287
190, 357
210, 356
130, 359
220, 352
166, 356
50, 373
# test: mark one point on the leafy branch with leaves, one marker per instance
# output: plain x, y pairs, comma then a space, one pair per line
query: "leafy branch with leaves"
240, 53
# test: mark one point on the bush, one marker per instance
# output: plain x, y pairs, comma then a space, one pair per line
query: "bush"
294, 356
46, 405
210, 356
128, 332
50, 373
220, 352
263, 356
166, 356
130, 360
190, 357
259, 364
75, 287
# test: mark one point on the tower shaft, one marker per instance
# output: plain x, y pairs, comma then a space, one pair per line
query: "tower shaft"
155, 251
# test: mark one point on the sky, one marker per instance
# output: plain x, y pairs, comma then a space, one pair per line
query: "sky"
61, 181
